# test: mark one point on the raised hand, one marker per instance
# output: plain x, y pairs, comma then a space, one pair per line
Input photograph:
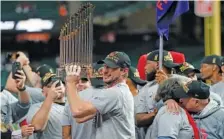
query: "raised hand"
72, 73
55, 92
20, 81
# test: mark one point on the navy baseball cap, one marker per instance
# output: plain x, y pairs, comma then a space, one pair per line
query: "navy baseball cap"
195, 89
116, 59
167, 58
135, 77
43, 69
187, 68
212, 59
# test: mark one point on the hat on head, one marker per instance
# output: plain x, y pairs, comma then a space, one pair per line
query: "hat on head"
167, 58
135, 77
187, 68
195, 89
47, 78
116, 59
97, 75
222, 61
43, 69
212, 59
178, 57
141, 66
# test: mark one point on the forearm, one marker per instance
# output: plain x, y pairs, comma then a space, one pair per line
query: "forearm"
10, 84
40, 119
73, 98
24, 97
29, 74
145, 120
66, 132
81, 110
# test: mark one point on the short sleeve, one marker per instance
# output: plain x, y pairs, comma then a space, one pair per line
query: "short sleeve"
140, 102
66, 116
106, 100
32, 111
169, 124
35, 94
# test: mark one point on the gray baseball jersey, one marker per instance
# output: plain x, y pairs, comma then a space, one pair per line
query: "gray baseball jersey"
218, 88
35, 94
53, 129
115, 117
12, 110
145, 100
83, 130
174, 125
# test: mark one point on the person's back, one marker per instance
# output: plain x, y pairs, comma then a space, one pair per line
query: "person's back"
210, 121
117, 118
173, 125
53, 128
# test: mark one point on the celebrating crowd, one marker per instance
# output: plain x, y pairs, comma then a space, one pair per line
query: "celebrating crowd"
112, 100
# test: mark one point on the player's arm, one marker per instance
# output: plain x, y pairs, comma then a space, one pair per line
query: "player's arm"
81, 110
66, 132
103, 102
40, 119
145, 119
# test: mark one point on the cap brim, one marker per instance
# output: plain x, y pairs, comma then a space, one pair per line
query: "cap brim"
109, 63
98, 81
180, 93
187, 71
170, 64
139, 81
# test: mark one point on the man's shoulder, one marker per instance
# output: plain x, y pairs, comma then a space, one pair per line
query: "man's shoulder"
150, 88
163, 111
218, 85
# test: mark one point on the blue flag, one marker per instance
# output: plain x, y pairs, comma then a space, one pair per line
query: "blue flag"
166, 12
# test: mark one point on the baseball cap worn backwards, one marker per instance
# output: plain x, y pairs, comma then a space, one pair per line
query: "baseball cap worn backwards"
167, 58
212, 59
195, 89
187, 68
116, 59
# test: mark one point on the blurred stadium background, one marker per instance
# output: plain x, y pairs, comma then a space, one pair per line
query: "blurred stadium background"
129, 26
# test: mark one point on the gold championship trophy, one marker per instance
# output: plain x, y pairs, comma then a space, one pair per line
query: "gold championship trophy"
76, 40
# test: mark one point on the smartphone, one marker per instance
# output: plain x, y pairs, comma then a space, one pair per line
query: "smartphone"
54, 79
15, 67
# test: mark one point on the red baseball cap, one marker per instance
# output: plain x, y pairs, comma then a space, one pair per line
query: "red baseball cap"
178, 57
141, 66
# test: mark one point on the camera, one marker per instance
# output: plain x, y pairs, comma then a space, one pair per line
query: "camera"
15, 67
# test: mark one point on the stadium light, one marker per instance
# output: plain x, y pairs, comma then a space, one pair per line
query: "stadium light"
7, 25
34, 25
